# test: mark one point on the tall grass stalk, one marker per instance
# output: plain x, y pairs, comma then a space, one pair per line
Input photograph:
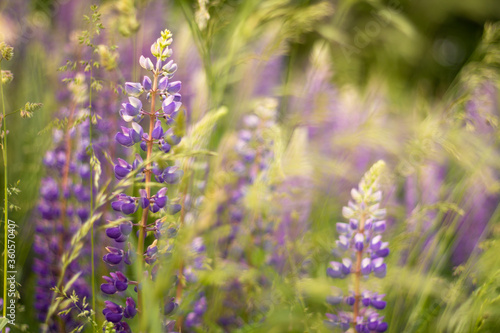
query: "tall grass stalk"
92, 202
144, 219
6, 195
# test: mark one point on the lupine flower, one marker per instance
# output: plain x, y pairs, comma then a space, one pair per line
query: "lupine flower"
253, 156
361, 242
133, 112
64, 197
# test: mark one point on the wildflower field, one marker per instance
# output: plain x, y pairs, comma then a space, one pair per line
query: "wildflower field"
250, 166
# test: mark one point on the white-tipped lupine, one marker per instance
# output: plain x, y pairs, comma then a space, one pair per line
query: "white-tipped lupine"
347, 212
365, 244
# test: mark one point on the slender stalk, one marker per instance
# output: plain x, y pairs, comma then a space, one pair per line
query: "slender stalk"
65, 176
357, 274
180, 285
6, 199
67, 141
92, 264
144, 220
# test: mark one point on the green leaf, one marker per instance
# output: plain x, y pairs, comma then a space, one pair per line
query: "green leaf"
71, 282
3, 321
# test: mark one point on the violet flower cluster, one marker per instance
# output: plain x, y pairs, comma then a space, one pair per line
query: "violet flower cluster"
161, 85
198, 262
253, 156
364, 251
63, 206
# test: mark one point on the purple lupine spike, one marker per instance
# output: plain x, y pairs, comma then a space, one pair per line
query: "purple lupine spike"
132, 112
63, 206
367, 247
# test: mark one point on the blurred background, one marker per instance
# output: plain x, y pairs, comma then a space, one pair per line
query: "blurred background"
414, 83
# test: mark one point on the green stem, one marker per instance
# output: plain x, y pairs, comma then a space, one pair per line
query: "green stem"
11, 113
92, 204
357, 275
6, 201
144, 219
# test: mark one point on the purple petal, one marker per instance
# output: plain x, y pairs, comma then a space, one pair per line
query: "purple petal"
146, 83
113, 232
108, 288
162, 84
174, 87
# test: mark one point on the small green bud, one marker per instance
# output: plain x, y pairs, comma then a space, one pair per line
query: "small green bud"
166, 35
7, 77
156, 49
160, 49
6, 50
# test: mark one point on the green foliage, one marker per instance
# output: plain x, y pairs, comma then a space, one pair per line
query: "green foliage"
71, 302
63, 123
3, 322
95, 27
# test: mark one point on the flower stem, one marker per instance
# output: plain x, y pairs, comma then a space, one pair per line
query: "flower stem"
357, 275
144, 220
92, 264
6, 201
